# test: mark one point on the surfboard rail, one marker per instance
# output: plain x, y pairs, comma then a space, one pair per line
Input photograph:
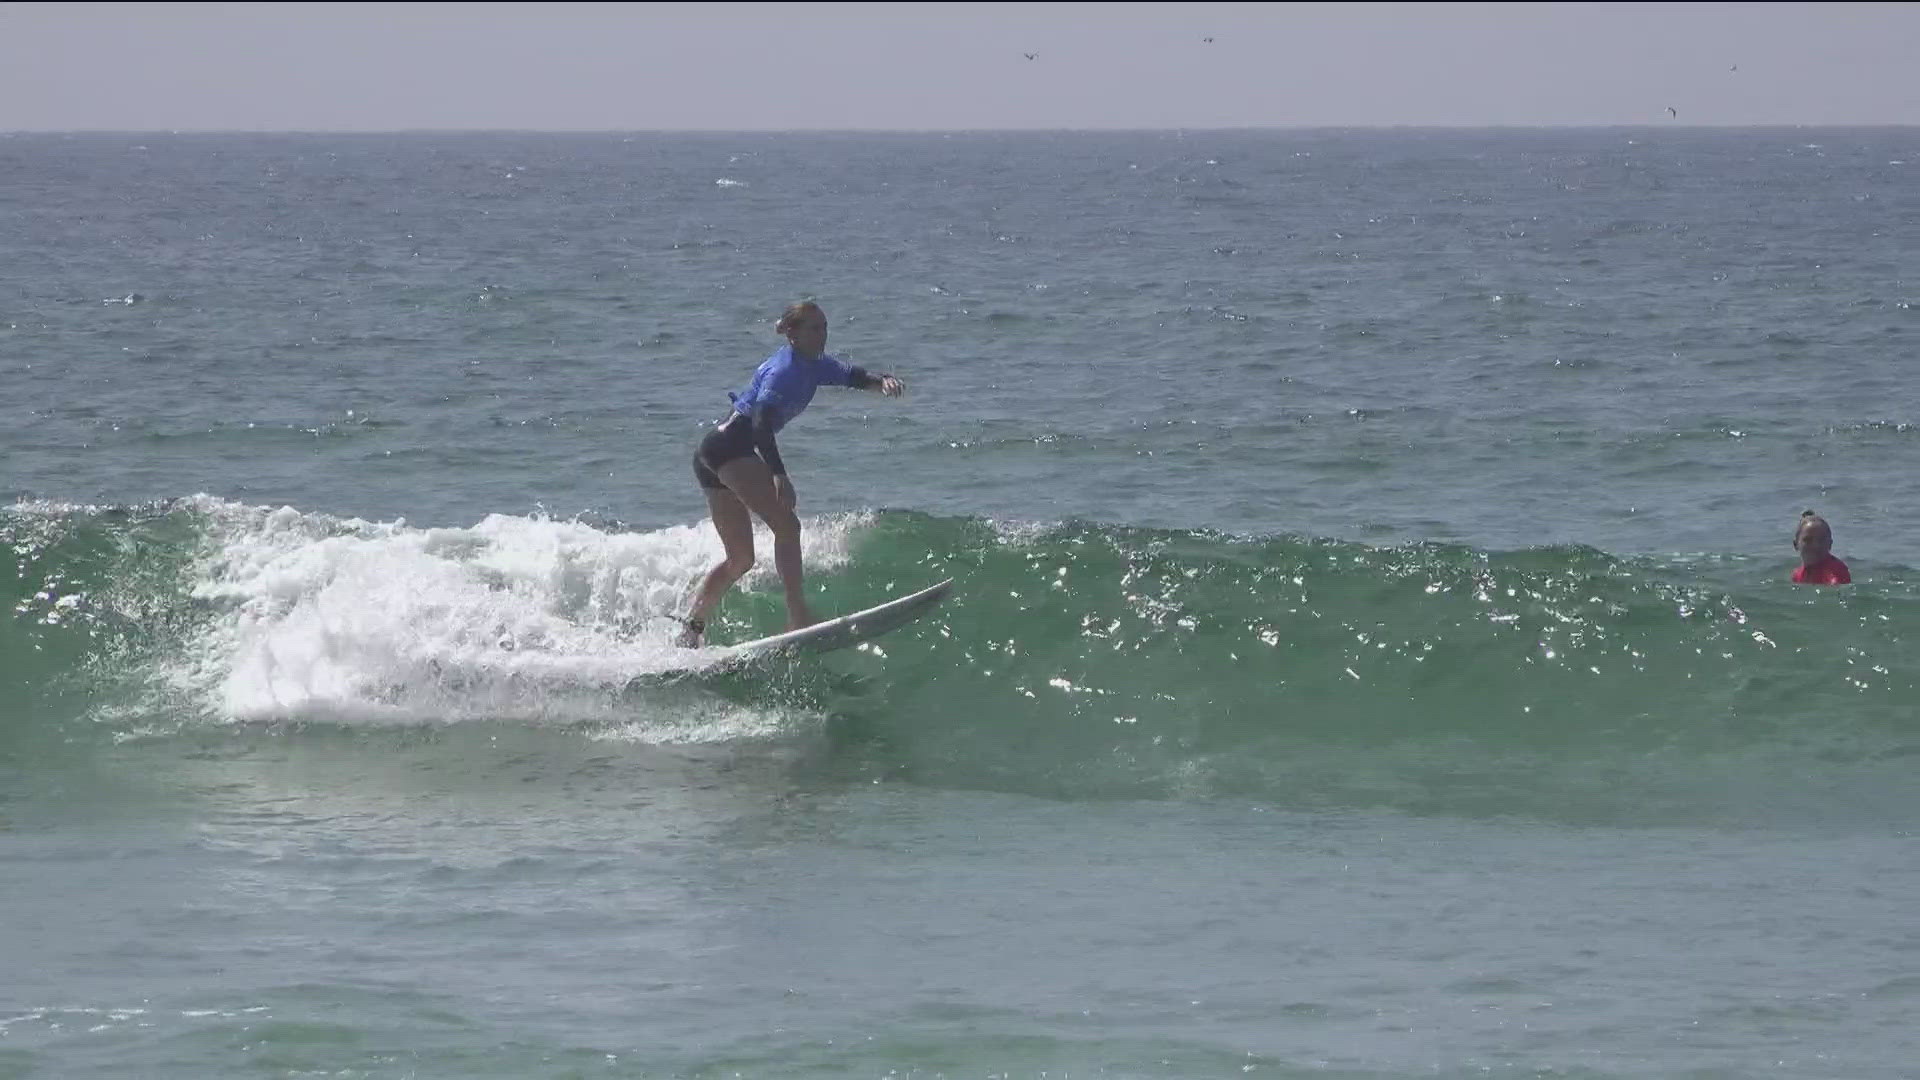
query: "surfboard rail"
851, 629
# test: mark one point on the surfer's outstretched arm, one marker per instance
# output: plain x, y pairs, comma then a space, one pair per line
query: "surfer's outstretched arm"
887, 385
880, 383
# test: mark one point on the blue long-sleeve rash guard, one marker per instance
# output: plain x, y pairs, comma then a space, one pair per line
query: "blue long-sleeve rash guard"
782, 388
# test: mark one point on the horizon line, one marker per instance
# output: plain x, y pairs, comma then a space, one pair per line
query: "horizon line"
1119, 130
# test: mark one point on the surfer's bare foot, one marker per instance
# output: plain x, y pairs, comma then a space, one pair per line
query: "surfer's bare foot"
690, 634
801, 621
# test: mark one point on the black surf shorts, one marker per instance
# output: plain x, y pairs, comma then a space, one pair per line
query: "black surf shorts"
733, 439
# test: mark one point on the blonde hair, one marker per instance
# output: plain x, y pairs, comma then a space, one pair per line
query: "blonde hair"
791, 317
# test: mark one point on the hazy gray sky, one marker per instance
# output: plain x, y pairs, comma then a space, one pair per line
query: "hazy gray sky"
559, 66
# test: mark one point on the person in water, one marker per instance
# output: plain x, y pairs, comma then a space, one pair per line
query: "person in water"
1813, 539
738, 463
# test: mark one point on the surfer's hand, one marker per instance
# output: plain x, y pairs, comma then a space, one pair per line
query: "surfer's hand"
891, 386
783, 490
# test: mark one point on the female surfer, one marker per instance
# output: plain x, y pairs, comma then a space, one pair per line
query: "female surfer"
1813, 539
738, 463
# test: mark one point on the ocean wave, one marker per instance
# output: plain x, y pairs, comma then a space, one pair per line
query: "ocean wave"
1073, 659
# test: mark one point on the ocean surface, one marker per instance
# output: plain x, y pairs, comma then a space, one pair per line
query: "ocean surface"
1371, 654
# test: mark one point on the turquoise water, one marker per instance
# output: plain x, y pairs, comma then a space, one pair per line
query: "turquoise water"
1371, 652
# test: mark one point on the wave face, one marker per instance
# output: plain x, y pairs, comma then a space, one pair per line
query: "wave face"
1131, 662
1072, 660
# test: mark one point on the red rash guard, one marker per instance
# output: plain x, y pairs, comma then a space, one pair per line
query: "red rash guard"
1828, 571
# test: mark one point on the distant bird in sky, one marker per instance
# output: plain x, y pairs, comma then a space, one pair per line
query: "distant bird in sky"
1673, 113
1208, 40
1735, 67
1030, 55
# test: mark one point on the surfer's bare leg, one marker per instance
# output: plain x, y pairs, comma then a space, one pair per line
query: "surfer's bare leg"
730, 520
749, 479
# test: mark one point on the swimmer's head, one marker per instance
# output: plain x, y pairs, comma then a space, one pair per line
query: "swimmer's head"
804, 326
1812, 538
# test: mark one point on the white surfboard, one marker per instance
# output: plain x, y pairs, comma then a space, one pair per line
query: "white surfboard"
845, 630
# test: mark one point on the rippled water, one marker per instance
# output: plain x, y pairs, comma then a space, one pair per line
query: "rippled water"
1371, 653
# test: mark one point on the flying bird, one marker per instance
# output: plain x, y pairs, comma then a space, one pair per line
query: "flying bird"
1673, 113
1208, 40
1735, 67
1030, 55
